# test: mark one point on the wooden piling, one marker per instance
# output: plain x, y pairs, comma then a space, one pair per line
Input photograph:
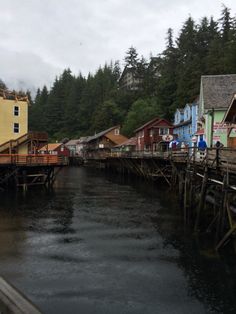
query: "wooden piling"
202, 198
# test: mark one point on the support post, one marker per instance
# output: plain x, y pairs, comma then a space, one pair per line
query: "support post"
202, 198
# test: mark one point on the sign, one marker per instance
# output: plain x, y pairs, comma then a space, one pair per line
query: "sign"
167, 137
220, 128
216, 138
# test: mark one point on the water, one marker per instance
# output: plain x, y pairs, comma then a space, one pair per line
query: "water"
101, 245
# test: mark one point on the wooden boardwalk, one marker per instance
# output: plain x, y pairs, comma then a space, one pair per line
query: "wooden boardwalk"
205, 182
29, 170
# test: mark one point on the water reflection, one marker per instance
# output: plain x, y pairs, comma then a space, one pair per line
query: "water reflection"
104, 244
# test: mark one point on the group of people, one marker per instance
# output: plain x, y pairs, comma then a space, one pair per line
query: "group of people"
202, 145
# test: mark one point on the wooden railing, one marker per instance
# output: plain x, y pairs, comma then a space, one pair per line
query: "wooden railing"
220, 158
32, 160
40, 136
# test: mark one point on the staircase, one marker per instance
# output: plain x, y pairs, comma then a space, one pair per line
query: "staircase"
39, 137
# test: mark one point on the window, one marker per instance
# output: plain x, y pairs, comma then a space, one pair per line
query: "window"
163, 131
117, 131
16, 111
16, 128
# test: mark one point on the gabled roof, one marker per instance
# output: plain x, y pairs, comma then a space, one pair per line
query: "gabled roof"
72, 142
116, 139
150, 123
127, 69
231, 112
186, 122
100, 134
147, 124
181, 110
129, 142
217, 90
50, 147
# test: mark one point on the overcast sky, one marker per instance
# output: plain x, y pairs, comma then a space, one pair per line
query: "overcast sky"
40, 38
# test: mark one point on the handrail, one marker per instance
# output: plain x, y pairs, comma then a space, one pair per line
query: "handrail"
32, 159
23, 138
217, 158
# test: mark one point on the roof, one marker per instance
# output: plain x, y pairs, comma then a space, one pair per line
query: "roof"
116, 139
217, 90
181, 110
231, 112
129, 142
72, 142
100, 134
147, 123
186, 122
151, 122
50, 146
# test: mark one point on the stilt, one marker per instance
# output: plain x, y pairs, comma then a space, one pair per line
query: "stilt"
202, 198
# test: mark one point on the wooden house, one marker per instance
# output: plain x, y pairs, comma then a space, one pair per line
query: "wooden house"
185, 123
230, 121
58, 149
100, 144
125, 148
215, 95
154, 135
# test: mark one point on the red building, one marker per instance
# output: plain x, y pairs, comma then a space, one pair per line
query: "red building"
58, 149
154, 135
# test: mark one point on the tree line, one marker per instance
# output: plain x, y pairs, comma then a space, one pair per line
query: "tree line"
78, 106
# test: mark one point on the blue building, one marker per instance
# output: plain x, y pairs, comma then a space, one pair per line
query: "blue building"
185, 123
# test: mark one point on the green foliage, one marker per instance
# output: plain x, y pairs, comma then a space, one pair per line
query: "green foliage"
141, 111
131, 58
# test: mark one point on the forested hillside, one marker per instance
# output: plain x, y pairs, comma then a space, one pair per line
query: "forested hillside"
77, 105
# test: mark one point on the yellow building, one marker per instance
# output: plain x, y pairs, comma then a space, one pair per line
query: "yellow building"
13, 121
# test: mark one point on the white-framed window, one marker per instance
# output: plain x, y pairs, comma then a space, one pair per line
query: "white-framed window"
16, 111
163, 131
117, 131
16, 128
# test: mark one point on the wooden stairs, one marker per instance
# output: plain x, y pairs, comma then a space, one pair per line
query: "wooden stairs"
37, 140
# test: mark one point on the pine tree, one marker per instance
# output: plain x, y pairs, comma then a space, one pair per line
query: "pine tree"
131, 58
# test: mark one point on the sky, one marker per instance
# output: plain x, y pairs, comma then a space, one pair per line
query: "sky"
41, 38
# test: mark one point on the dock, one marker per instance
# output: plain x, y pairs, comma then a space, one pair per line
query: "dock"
204, 180
29, 170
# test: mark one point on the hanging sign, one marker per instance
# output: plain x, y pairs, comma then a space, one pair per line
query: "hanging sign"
167, 137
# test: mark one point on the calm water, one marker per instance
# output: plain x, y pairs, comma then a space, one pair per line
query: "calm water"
99, 245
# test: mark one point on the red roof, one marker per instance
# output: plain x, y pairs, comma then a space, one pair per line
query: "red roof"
151, 122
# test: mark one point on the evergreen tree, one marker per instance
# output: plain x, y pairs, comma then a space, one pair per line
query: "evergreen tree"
167, 83
131, 58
